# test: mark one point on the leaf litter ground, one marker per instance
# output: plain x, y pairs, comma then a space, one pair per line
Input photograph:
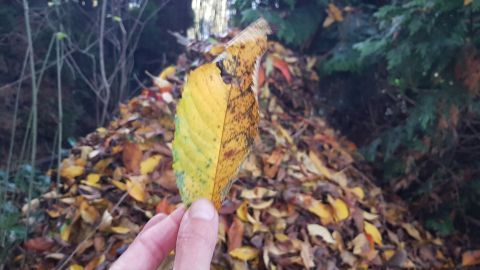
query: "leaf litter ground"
301, 200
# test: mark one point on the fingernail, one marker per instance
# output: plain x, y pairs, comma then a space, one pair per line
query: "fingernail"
202, 209
178, 213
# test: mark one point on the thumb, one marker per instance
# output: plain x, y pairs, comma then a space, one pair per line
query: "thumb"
197, 237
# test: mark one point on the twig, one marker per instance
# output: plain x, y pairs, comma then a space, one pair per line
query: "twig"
92, 233
34, 113
106, 86
60, 108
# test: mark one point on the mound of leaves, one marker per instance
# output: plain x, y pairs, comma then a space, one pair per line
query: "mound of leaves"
300, 201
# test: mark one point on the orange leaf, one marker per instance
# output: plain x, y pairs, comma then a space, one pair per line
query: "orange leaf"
471, 257
164, 207
283, 67
261, 76
132, 156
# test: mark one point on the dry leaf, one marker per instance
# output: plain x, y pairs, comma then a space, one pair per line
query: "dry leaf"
371, 230
71, 171
75, 267
120, 230
307, 255
244, 253
358, 191
235, 234
340, 209
471, 257
136, 189
257, 193
217, 119
132, 155
39, 244
318, 230
92, 179
334, 15
412, 231
283, 67
65, 232
148, 165
88, 213
167, 72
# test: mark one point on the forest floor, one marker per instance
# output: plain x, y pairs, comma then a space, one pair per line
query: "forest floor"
303, 199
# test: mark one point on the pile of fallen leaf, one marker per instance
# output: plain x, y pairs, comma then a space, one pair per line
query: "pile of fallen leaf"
300, 201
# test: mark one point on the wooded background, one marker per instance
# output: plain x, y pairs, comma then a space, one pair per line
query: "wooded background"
399, 78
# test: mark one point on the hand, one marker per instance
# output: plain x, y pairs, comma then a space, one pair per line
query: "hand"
193, 232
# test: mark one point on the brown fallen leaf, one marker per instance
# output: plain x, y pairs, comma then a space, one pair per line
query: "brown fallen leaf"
471, 257
235, 234
39, 244
132, 156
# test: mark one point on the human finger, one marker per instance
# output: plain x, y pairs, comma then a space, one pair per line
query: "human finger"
197, 237
152, 245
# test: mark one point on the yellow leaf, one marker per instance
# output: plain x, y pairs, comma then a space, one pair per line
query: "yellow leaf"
244, 253
388, 253
281, 237
88, 213
467, 2
217, 119
119, 185
217, 49
75, 267
120, 230
242, 211
136, 189
168, 71
101, 165
53, 213
322, 211
318, 230
65, 232
93, 178
71, 171
340, 208
102, 131
358, 191
148, 165
371, 230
